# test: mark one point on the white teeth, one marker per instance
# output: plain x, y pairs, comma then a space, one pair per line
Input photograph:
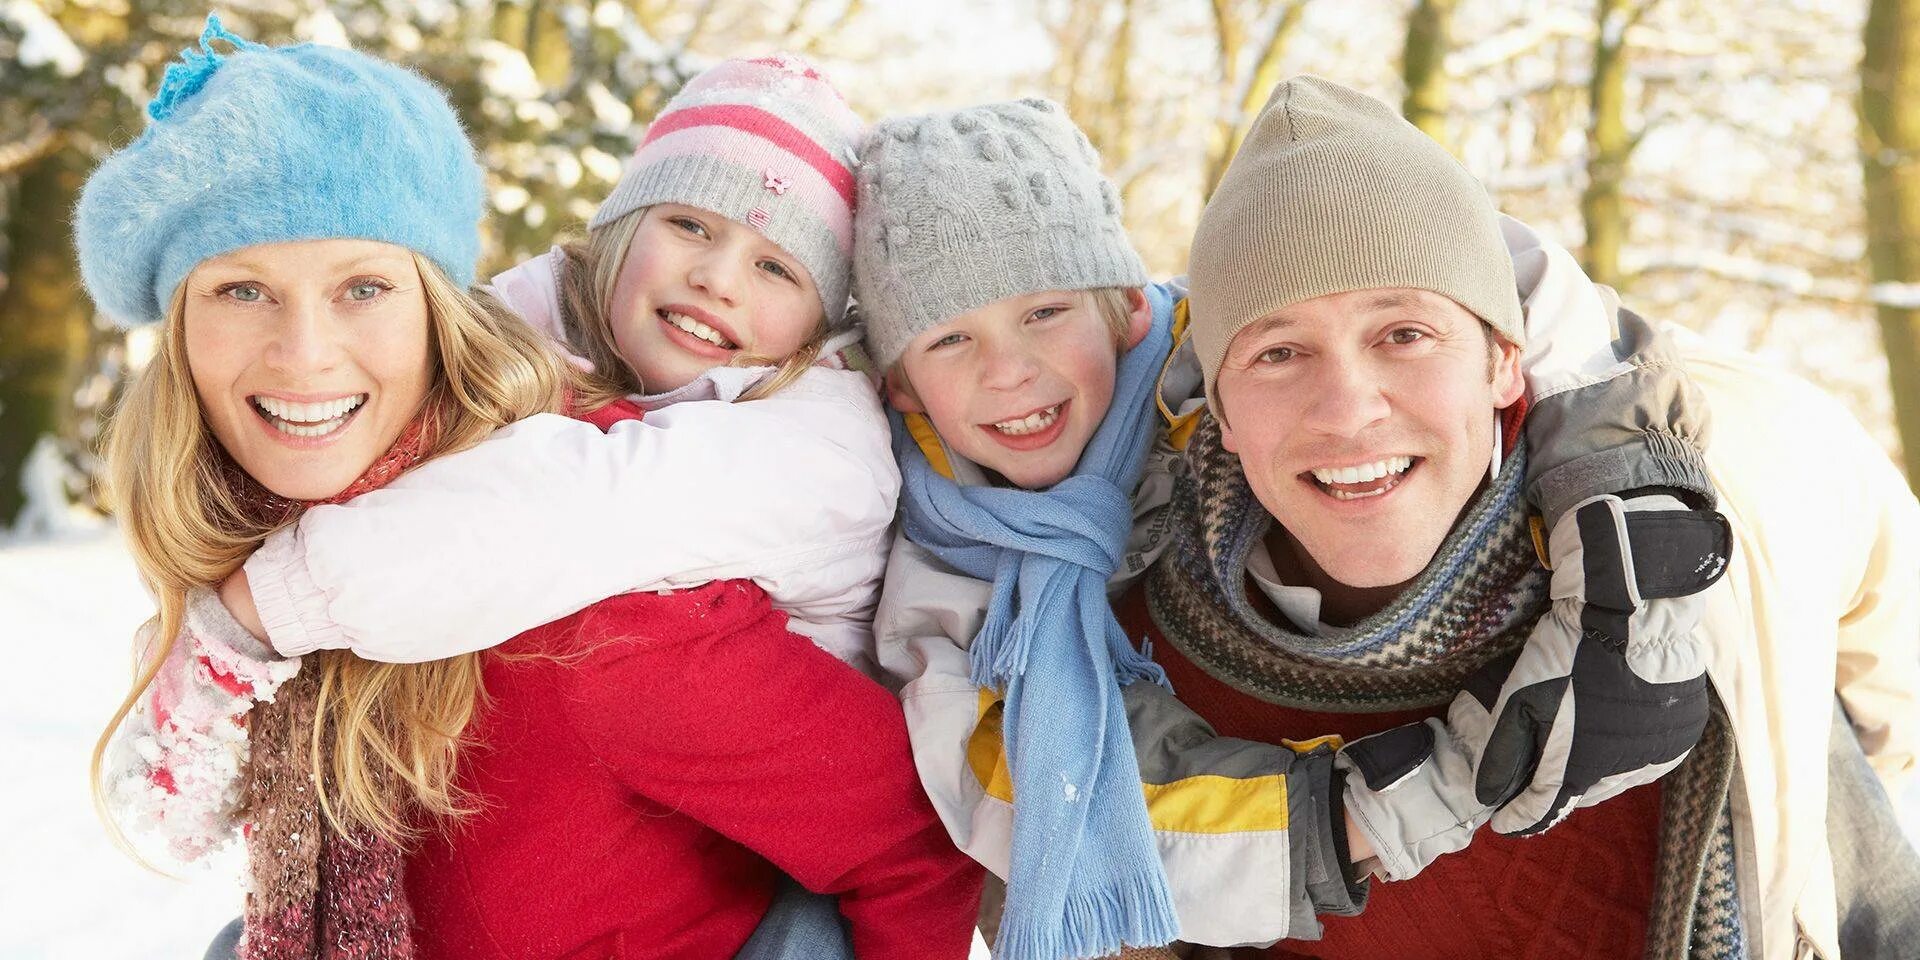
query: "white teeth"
308, 419
1364, 473
1031, 423
698, 329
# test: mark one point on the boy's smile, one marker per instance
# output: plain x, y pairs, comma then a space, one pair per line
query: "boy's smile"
1020, 385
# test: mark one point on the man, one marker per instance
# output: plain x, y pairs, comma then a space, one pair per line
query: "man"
1353, 534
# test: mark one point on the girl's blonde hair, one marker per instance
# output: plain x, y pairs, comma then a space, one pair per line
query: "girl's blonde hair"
586, 302
188, 527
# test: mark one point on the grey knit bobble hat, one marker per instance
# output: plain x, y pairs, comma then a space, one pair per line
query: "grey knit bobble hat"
1333, 191
962, 208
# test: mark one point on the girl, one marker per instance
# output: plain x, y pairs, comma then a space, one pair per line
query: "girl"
303, 221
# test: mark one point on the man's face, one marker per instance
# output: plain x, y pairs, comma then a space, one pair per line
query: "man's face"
1364, 422
1020, 385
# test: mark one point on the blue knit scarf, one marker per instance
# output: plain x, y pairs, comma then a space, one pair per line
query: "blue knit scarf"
1085, 876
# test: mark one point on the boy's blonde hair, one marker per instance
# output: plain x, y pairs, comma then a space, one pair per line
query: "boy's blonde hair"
587, 281
187, 526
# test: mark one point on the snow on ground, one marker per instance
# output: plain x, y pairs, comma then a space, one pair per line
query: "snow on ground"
66, 893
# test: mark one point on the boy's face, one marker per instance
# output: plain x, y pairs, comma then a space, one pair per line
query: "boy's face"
1018, 386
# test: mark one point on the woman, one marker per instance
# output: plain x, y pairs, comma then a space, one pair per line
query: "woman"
303, 222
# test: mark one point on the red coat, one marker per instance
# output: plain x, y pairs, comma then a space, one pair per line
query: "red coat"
647, 765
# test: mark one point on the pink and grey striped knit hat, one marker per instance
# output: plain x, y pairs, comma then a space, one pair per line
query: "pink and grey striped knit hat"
767, 142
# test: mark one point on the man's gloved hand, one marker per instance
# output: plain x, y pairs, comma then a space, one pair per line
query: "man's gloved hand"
1411, 789
1610, 691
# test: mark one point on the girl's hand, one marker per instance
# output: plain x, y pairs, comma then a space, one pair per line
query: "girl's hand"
237, 597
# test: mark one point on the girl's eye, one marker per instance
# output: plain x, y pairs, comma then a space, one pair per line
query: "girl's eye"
777, 268
1406, 335
366, 290
1275, 355
243, 292
947, 341
690, 225
1045, 313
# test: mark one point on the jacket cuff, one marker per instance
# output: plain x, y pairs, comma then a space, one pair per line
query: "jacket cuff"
1317, 831
1651, 459
292, 606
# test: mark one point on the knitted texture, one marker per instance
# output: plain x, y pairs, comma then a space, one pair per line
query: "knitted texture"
1476, 601
1084, 877
963, 208
1333, 191
767, 142
270, 145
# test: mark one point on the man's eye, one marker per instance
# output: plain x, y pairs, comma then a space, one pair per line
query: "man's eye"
244, 292
1406, 335
777, 268
1275, 355
689, 225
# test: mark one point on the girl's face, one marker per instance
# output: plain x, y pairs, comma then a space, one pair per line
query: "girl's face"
308, 358
699, 291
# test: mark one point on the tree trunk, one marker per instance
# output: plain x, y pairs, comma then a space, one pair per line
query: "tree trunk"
1423, 67
1608, 145
45, 323
1248, 85
1890, 137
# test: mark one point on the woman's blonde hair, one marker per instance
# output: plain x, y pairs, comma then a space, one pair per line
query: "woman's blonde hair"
587, 281
187, 526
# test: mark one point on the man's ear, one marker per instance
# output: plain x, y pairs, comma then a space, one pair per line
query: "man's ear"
1509, 383
1139, 316
900, 392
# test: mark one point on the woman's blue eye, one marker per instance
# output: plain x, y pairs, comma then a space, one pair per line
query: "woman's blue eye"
245, 292
364, 291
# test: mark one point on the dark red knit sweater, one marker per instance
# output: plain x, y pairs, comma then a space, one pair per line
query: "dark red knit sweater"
1580, 891
645, 765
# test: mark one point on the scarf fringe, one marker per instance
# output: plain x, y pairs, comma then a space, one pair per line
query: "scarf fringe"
1133, 912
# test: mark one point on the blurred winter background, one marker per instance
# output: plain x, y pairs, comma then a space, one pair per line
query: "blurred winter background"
1747, 170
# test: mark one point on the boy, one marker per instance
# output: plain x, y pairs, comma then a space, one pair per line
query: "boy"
1020, 340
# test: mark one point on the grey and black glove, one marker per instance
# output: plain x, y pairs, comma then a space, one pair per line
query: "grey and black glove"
1610, 691
1411, 789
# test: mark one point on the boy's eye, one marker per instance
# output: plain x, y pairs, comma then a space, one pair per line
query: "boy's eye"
689, 225
1045, 313
1406, 335
242, 292
1275, 355
947, 341
777, 268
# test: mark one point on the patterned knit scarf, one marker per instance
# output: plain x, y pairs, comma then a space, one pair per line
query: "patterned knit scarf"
317, 894
1477, 600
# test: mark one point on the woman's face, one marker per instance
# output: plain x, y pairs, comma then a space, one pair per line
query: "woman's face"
308, 358
699, 291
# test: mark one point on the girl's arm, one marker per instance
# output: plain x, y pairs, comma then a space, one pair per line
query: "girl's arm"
794, 491
763, 737
174, 766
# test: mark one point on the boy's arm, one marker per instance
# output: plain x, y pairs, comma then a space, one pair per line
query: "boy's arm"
795, 491
1610, 691
1252, 835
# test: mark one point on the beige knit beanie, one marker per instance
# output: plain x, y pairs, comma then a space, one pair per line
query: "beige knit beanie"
1333, 191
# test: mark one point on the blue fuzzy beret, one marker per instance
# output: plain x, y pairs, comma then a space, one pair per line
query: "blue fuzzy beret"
276, 144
